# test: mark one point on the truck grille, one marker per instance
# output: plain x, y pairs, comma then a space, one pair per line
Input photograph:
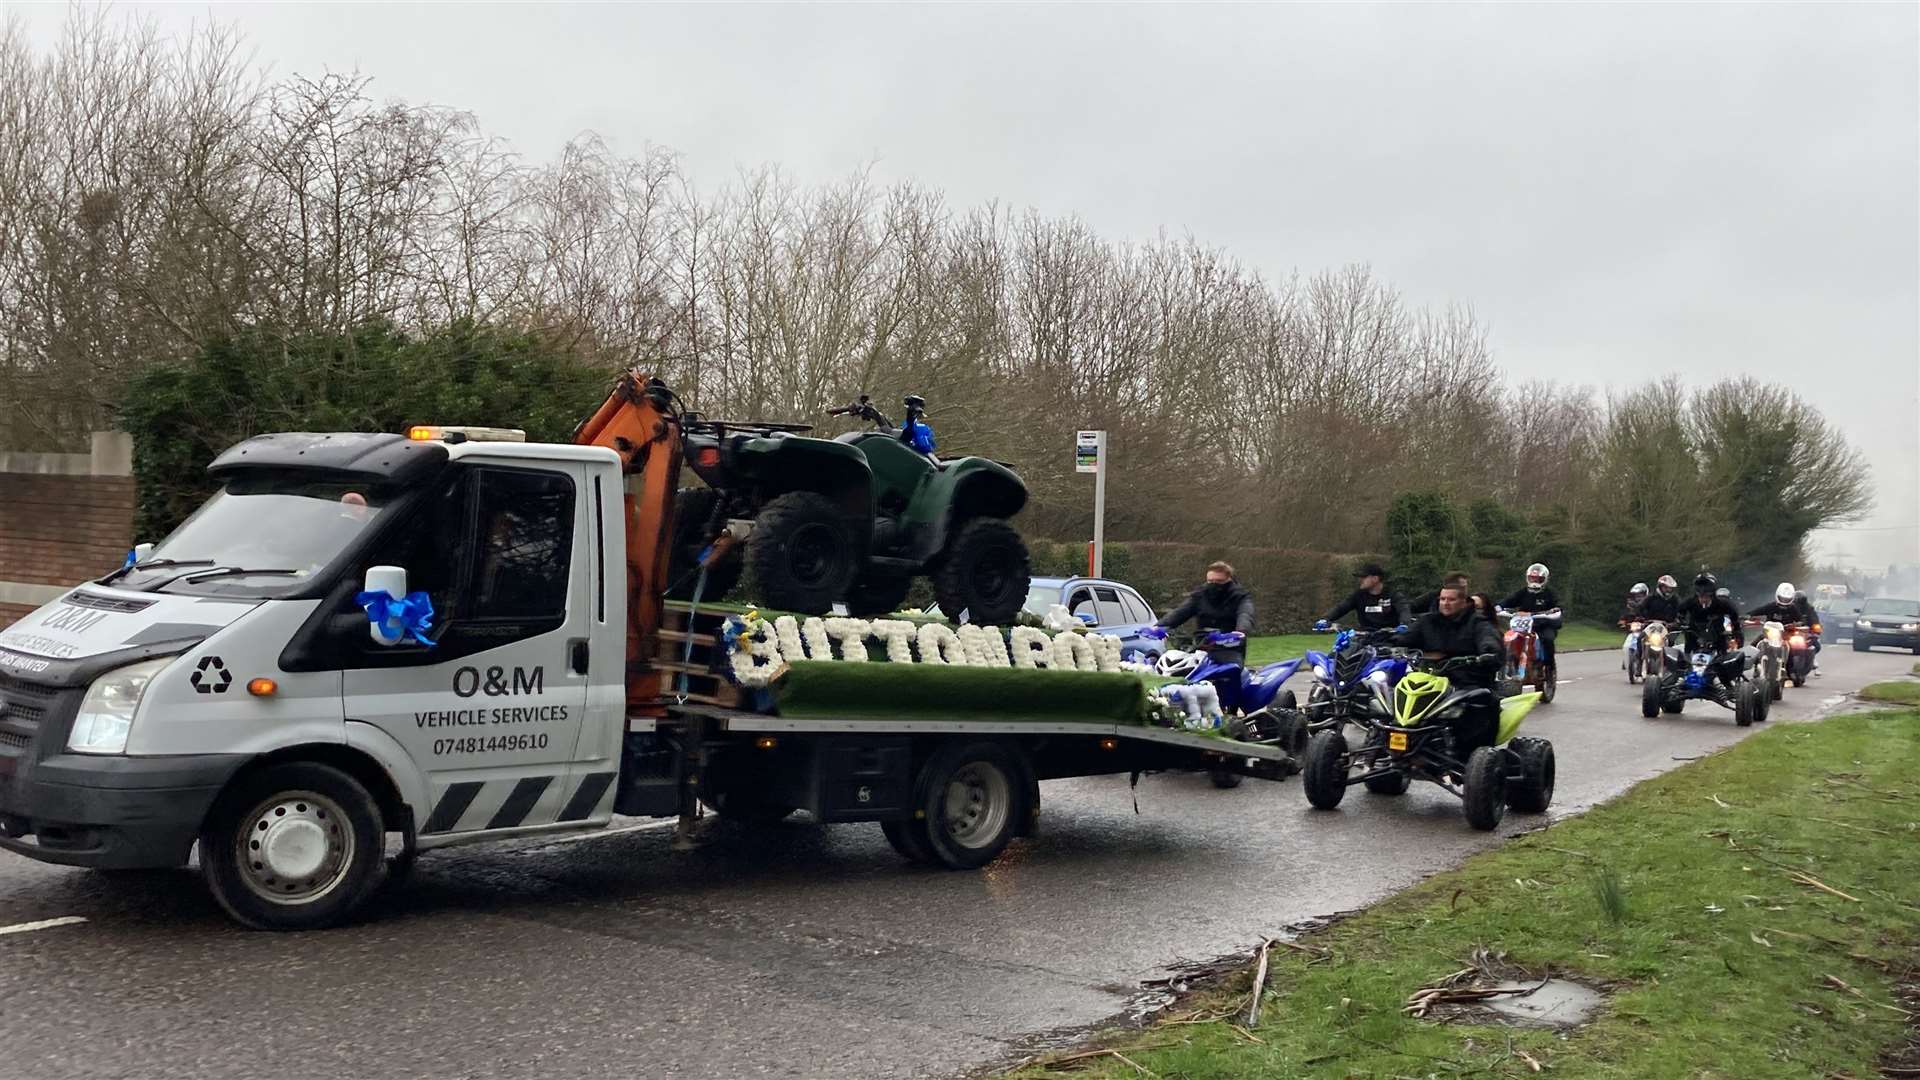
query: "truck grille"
27, 706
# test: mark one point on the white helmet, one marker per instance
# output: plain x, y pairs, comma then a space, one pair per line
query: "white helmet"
1639, 590
1783, 593
1667, 583
1537, 575
1178, 663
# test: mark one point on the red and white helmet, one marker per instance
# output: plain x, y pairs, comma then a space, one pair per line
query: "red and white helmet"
1666, 583
1784, 593
1537, 575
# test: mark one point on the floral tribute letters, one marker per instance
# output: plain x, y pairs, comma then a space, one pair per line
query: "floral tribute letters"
758, 650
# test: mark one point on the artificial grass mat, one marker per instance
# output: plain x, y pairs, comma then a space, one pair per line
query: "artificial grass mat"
817, 689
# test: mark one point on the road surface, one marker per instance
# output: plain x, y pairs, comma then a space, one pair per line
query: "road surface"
782, 951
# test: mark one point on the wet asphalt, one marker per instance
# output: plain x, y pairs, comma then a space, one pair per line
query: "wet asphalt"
786, 950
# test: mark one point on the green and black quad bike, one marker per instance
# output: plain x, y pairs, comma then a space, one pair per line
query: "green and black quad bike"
1417, 743
850, 519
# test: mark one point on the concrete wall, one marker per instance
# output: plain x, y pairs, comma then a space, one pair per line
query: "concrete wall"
63, 518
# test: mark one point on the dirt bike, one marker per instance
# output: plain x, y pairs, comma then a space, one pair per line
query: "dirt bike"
1417, 743
1785, 654
1526, 666
1633, 650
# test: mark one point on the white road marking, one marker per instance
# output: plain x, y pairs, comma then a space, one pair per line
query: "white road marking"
43, 924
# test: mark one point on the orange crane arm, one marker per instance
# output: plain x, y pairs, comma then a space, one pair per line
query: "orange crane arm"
639, 422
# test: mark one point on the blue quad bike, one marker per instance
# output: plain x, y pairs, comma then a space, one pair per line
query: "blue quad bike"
1256, 706
1704, 675
1354, 680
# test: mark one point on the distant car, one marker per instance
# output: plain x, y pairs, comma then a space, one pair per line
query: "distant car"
1837, 616
1885, 621
1111, 607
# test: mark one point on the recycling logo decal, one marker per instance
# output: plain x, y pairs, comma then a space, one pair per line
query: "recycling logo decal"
211, 676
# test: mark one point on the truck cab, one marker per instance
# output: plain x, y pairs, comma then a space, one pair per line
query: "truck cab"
226, 688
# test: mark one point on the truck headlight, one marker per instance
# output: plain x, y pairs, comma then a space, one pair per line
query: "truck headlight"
106, 713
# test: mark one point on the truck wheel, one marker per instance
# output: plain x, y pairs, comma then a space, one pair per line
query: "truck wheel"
984, 572
1395, 783
1530, 789
1650, 699
1485, 792
875, 594
692, 507
1224, 778
297, 846
1324, 776
909, 838
803, 553
971, 797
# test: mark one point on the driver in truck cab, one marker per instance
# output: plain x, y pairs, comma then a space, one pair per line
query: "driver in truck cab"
1455, 629
1222, 604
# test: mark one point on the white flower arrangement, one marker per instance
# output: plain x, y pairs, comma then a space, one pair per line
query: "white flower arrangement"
940, 646
898, 634
852, 636
1106, 652
1074, 652
755, 660
1032, 648
786, 630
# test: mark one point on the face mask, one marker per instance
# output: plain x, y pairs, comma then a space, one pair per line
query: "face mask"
1218, 589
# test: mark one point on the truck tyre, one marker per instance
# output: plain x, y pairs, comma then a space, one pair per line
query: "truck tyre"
803, 553
1530, 789
1224, 778
971, 796
1485, 791
1650, 698
909, 838
877, 594
984, 572
1394, 783
692, 507
1324, 776
297, 846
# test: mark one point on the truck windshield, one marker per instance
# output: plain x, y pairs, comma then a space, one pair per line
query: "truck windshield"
261, 536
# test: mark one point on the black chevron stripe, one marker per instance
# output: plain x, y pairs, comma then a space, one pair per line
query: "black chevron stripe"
519, 802
586, 796
446, 813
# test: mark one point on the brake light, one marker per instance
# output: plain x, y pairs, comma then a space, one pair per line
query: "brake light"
707, 457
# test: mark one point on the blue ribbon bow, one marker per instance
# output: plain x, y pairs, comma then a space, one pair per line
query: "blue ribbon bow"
128, 565
413, 613
918, 435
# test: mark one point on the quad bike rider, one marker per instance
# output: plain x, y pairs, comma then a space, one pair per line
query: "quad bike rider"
1372, 606
1535, 612
1713, 664
1447, 727
1634, 620
853, 518
1790, 637
1221, 604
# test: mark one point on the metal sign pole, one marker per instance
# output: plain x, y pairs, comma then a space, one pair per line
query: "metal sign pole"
1090, 455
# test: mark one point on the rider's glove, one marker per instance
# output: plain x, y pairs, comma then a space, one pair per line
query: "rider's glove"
1323, 625
1401, 629
1158, 633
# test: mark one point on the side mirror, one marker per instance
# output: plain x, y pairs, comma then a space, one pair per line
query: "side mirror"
391, 580
1086, 617
141, 551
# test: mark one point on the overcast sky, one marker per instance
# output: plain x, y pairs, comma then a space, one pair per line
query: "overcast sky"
1620, 191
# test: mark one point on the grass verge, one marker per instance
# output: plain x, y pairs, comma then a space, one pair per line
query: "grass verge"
1272, 647
1897, 692
1709, 901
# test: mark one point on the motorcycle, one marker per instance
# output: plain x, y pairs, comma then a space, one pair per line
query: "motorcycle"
1704, 675
1771, 656
1354, 679
1526, 666
1653, 649
1256, 706
1415, 742
1633, 651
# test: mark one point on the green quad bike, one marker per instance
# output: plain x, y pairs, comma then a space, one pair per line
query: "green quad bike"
850, 519
1417, 744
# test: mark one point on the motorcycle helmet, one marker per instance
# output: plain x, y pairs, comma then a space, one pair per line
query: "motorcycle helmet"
1639, 590
1537, 575
1704, 585
1667, 584
1723, 593
1784, 593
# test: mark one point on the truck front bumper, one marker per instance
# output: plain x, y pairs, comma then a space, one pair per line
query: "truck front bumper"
113, 813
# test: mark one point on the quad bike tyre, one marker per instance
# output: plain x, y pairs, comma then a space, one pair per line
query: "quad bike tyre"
803, 553
1747, 703
1224, 778
877, 594
1650, 699
1530, 789
1395, 783
1485, 792
984, 572
1324, 775
692, 508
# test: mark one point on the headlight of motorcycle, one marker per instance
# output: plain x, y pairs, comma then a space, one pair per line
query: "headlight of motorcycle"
106, 713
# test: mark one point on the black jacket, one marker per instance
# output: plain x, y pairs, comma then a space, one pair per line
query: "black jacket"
1465, 634
1800, 611
1230, 610
1712, 624
1370, 612
1530, 601
1660, 608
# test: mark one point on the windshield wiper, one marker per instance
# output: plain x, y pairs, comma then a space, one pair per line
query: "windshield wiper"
232, 571
150, 564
